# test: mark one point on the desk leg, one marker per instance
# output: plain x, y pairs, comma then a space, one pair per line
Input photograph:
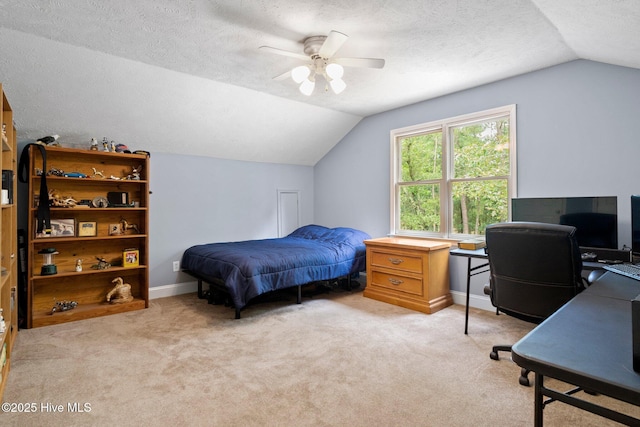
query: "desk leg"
466, 312
538, 402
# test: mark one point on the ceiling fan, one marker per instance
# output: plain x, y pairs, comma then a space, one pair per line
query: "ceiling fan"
318, 55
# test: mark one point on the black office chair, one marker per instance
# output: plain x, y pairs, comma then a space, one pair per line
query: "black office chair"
535, 268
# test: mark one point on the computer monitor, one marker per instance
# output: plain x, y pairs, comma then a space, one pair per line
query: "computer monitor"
595, 218
635, 225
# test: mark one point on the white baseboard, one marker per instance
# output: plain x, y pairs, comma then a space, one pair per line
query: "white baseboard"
172, 290
475, 301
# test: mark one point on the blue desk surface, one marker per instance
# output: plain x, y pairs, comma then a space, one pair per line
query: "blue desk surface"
588, 342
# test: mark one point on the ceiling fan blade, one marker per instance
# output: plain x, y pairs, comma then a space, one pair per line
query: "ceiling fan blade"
360, 62
333, 42
284, 52
283, 76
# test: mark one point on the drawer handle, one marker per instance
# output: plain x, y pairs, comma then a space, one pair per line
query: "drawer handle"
396, 261
396, 281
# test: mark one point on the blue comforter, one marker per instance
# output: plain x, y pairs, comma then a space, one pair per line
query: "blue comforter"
254, 267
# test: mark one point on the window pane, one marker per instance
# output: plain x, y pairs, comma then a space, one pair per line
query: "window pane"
481, 149
421, 157
420, 207
453, 177
477, 204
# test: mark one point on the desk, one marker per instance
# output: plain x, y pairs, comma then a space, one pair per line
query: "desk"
586, 343
471, 271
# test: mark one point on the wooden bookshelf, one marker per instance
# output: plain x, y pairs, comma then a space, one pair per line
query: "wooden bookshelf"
102, 173
9, 239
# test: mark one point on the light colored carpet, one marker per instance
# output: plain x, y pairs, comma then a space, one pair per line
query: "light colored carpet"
338, 359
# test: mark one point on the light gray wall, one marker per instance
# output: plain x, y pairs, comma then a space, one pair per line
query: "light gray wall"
577, 135
198, 200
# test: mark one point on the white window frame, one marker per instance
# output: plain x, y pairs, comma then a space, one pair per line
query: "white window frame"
446, 199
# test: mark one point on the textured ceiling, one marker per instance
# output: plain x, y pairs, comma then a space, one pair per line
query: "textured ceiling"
187, 75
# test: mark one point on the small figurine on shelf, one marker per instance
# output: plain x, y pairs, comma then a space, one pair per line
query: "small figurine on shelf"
3, 325
97, 174
102, 264
126, 226
105, 144
79, 264
94, 145
122, 148
55, 172
48, 140
121, 293
74, 175
113, 146
64, 306
59, 201
135, 173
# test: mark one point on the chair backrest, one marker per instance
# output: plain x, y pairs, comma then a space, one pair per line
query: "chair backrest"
535, 268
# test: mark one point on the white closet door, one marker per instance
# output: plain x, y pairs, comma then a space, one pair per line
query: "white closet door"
288, 211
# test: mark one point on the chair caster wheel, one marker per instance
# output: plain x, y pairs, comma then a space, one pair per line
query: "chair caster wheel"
494, 355
524, 377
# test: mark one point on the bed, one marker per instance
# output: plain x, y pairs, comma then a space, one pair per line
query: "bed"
247, 269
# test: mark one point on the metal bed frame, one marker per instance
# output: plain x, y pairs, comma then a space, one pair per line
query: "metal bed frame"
216, 286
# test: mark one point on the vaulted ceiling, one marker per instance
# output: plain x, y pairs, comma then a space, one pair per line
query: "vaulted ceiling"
186, 76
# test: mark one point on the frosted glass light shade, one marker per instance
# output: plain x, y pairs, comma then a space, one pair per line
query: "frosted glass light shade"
335, 71
337, 85
307, 86
299, 74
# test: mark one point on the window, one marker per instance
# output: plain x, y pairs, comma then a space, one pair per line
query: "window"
453, 177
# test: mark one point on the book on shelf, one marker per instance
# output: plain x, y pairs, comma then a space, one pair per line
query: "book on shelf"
472, 244
7, 183
130, 257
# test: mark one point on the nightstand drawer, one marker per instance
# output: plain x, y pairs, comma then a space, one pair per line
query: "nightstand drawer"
402, 262
399, 283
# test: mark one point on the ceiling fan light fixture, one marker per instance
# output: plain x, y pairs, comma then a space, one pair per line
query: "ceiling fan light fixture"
335, 71
300, 74
307, 86
320, 60
337, 85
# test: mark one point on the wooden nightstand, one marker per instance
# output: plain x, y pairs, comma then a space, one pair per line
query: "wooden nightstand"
411, 273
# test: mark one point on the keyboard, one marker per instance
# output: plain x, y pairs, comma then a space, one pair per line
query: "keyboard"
629, 270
